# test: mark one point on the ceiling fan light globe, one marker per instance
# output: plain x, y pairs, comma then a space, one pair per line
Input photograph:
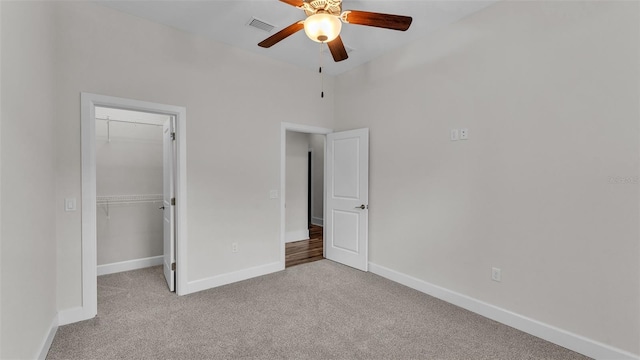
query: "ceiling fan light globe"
322, 27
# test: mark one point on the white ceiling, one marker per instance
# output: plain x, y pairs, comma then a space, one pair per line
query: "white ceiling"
226, 21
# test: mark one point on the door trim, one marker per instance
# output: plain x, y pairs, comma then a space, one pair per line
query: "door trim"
284, 127
89, 101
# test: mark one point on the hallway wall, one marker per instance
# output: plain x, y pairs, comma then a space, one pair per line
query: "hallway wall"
297, 166
316, 143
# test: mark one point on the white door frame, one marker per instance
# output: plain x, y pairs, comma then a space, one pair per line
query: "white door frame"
89, 101
284, 127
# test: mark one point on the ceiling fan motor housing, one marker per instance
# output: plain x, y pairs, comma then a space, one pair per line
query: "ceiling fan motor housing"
333, 7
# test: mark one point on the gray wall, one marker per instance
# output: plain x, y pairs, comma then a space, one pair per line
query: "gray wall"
229, 95
27, 190
549, 92
60, 46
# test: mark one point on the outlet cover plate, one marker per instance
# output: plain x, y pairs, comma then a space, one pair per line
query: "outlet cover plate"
496, 274
70, 204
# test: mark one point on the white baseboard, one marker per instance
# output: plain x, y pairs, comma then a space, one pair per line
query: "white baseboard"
544, 331
46, 344
224, 279
292, 236
317, 221
129, 265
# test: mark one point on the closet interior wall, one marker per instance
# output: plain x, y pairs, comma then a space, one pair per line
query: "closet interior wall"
129, 188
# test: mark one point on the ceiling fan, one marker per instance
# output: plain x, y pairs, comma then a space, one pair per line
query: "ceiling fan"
324, 22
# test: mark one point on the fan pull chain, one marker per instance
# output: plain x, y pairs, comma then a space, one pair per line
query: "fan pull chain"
321, 74
321, 83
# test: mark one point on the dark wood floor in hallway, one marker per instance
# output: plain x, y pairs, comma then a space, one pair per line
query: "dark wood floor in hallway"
304, 251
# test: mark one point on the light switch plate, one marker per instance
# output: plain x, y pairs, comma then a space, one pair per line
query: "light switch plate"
70, 204
273, 194
454, 135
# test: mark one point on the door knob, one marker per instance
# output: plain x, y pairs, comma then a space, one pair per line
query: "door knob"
363, 206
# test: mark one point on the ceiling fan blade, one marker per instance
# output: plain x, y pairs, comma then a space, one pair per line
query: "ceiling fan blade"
282, 34
386, 21
338, 50
296, 3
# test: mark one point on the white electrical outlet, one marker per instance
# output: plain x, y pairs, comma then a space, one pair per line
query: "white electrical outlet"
464, 134
454, 135
496, 274
234, 247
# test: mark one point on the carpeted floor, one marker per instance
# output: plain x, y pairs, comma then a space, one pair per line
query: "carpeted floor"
320, 310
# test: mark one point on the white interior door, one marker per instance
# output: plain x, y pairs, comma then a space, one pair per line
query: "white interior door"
347, 198
168, 202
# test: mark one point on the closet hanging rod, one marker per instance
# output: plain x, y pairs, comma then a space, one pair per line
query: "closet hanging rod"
127, 121
109, 200
129, 202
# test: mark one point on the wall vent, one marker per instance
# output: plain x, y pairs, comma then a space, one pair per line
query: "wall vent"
259, 24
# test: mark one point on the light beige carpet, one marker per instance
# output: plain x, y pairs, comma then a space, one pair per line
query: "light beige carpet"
320, 310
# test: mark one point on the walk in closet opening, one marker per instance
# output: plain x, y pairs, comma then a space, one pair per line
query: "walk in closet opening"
130, 190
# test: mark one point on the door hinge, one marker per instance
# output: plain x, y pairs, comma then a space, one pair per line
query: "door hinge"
173, 266
173, 136
173, 201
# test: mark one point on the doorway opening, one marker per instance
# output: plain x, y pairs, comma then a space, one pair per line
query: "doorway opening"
345, 218
129, 166
304, 193
111, 201
130, 183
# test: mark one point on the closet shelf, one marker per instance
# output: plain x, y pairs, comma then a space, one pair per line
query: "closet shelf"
109, 121
128, 199
119, 199
108, 200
